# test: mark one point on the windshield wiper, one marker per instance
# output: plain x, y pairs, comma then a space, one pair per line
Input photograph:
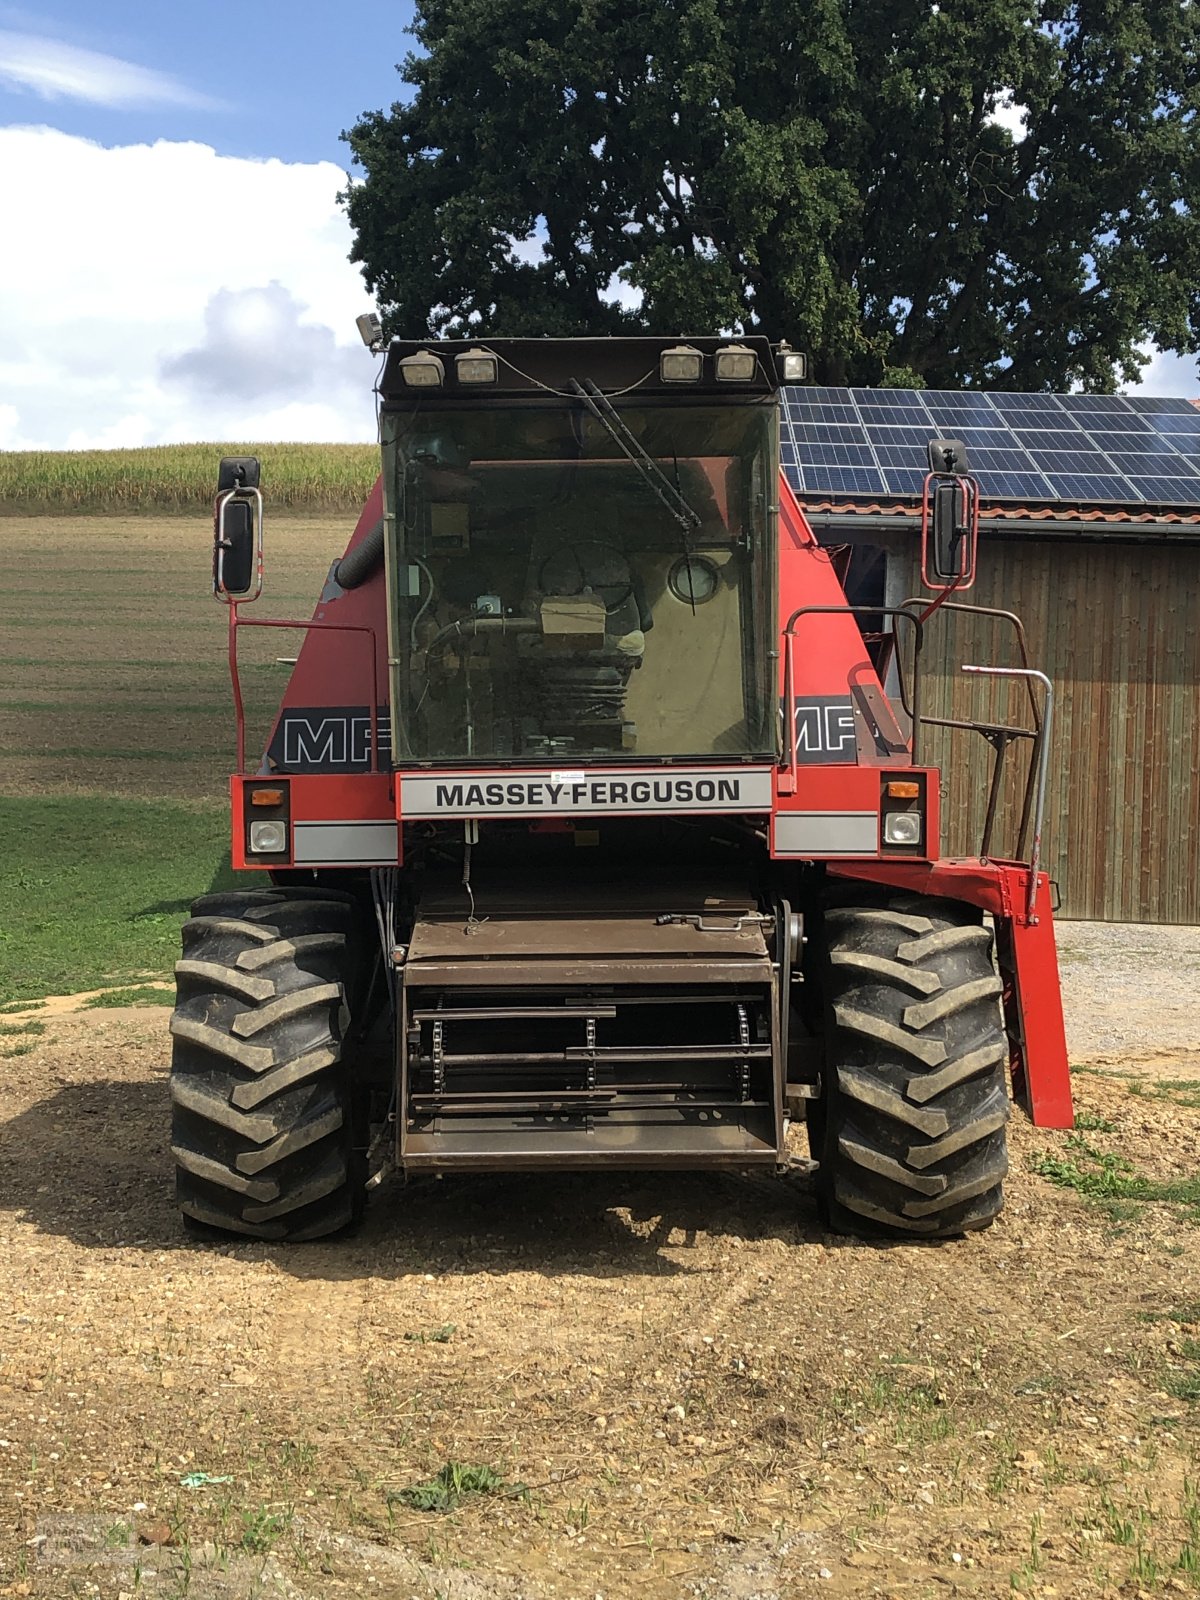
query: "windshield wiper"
597, 402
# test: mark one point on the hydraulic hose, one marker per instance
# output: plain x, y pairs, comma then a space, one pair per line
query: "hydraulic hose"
472, 627
357, 565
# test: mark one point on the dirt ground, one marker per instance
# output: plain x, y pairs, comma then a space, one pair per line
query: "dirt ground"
682, 1386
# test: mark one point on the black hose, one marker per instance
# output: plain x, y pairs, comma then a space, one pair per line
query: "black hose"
472, 627
358, 564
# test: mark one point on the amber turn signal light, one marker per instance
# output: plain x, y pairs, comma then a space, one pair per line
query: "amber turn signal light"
902, 790
266, 797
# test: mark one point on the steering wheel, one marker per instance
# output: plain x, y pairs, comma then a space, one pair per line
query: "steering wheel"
589, 564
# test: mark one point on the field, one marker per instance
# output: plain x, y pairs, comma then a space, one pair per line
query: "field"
663, 1386
180, 478
117, 728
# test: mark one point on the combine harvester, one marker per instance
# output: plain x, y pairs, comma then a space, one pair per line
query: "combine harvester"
597, 824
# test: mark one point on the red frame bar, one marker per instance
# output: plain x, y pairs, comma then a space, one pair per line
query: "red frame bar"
236, 622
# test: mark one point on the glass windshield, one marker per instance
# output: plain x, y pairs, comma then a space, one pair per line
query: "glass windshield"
554, 600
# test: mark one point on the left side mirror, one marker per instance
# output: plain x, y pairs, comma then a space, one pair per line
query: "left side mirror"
237, 530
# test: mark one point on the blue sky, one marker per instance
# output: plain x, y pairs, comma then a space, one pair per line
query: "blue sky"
255, 78
175, 261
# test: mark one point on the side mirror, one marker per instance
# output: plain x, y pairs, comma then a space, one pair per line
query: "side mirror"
237, 530
949, 519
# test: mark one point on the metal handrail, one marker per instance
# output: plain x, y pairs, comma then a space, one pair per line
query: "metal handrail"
236, 622
791, 751
1004, 616
1043, 758
994, 732
1000, 735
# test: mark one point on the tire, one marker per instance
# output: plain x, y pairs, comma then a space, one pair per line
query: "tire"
264, 1130
914, 1104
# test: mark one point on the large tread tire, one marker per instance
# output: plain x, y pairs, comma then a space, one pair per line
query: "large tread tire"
914, 1102
264, 1131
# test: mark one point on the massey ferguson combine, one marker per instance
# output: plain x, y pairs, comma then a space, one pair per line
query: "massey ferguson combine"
597, 827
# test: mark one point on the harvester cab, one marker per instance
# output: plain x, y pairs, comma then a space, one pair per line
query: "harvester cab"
572, 580
597, 825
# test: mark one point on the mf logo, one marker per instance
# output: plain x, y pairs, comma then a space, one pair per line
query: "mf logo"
330, 739
825, 731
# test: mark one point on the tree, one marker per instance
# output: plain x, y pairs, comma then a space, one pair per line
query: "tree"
993, 192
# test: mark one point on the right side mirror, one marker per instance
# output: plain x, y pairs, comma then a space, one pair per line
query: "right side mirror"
237, 530
949, 519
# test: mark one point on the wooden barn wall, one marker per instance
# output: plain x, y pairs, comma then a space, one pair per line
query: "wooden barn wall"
1117, 627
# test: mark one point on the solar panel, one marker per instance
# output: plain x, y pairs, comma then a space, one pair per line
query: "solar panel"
1073, 461
1015, 486
907, 482
1167, 423
1004, 399
1086, 486
1148, 402
1117, 449
1169, 491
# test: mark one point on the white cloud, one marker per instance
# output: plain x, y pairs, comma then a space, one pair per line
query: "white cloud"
54, 70
1168, 374
161, 293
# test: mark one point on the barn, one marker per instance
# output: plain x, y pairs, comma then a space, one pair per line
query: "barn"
1090, 533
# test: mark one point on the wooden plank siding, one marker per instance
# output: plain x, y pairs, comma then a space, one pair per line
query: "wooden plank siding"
1117, 627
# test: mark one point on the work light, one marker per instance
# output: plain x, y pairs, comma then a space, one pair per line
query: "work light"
735, 364
476, 366
680, 364
795, 365
423, 370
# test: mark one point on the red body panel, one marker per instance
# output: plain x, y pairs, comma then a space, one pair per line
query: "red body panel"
331, 670
830, 652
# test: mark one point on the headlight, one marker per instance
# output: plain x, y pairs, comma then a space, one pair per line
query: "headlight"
902, 827
268, 838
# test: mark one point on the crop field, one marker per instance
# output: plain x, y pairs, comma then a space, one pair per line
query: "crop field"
511, 1386
116, 724
179, 477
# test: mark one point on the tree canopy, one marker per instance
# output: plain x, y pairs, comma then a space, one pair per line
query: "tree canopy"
992, 192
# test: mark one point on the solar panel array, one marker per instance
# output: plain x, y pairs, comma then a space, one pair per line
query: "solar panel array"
1122, 449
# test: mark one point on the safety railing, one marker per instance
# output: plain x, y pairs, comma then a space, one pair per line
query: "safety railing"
1000, 735
791, 734
236, 622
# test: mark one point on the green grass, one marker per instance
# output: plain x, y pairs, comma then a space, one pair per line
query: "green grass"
457, 1481
181, 477
142, 994
1105, 1176
441, 1335
93, 890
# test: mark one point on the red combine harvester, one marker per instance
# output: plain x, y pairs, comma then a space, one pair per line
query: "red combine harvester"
597, 825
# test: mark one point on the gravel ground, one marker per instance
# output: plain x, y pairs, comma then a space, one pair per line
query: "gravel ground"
686, 1388
1129, 988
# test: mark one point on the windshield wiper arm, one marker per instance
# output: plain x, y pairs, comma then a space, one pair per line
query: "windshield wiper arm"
597, 402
